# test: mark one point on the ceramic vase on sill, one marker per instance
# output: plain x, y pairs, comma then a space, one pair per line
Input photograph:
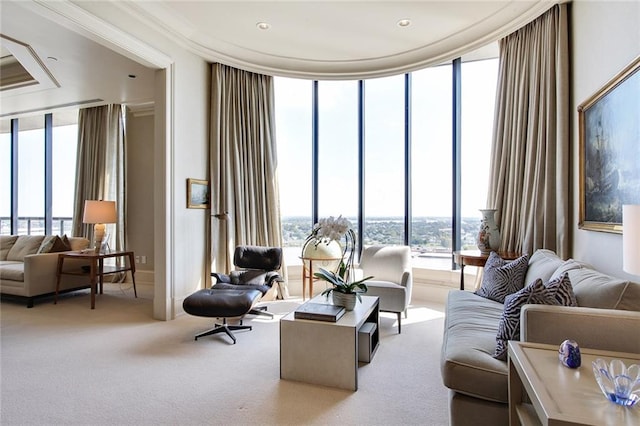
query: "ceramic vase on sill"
489, 234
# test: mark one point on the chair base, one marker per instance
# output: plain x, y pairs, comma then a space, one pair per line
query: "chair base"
260, 310
224, 328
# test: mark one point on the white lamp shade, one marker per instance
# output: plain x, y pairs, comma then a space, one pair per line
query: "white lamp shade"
99, 212
631, 239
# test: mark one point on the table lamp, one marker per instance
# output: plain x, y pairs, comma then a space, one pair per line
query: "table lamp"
631, 239
99, 212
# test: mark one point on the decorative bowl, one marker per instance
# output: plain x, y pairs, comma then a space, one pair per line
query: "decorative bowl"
619, 383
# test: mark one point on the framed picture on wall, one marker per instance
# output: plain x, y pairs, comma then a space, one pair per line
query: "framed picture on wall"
197, 194
609, 137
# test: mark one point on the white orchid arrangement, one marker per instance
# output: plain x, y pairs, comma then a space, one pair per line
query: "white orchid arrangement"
331, 228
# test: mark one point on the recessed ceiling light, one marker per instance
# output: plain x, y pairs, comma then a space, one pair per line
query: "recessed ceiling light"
404, 23
263, 25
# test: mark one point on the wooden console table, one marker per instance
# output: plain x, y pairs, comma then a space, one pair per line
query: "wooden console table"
558, 395
97, 269
476, 258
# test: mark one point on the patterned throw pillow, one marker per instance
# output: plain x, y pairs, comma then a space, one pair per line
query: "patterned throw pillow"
561, 290
47, 244
509, 326
502, 277
54, 244
61, 244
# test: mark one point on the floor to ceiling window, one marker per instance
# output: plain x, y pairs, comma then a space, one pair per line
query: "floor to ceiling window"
479, 80
386, 118
338, 149
38, 183
65, 144
31, 175
293, 106
384, 115
431, 124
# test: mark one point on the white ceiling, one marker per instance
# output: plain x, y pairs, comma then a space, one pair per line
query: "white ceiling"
308, 39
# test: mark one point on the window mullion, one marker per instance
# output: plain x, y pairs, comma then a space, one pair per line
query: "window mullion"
456, 156
48, 174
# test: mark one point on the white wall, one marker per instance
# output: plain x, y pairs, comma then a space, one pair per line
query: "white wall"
140, 229
190, 159
605, 39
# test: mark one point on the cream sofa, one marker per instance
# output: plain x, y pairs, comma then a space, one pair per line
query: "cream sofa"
607, 317
28, 269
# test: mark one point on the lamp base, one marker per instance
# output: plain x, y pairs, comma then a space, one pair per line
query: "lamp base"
98, 234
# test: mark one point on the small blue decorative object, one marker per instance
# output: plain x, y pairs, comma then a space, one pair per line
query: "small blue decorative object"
569, 354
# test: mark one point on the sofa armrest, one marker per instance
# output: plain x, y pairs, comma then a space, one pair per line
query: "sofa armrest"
40, 273
605, 329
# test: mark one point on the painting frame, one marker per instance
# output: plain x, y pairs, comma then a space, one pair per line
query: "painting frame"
609, 141
197, 193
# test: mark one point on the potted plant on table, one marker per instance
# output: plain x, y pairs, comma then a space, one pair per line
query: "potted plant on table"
344, 292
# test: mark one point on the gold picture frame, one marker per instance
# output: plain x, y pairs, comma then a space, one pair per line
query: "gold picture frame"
197, 194
609, 138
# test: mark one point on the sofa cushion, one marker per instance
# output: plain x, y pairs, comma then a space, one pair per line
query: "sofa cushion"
567, 266
502, 277
24, 245
12, 271
594, 289
542, 264
77, 243
469, 341
6, 242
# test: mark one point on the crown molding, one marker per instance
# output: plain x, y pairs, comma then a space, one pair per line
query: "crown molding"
77, 19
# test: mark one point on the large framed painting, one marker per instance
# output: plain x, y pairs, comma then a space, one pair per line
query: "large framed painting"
197, 194
609, 136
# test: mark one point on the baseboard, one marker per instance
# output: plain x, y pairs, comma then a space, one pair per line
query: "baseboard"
142, 278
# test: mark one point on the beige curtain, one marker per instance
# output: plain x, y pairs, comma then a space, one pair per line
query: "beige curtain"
100, 170
245, 206
530, 181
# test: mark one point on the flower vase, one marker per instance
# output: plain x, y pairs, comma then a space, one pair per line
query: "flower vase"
346, 300
489, 234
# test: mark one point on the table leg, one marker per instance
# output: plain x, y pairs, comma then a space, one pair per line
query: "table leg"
101, 275
515, 393
132, 266
462, 277
311, 279
92, 276
304, 280
59, 274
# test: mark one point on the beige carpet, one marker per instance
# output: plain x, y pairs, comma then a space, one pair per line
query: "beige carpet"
66, 364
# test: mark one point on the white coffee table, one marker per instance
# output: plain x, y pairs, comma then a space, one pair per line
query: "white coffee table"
558, 395
326, 353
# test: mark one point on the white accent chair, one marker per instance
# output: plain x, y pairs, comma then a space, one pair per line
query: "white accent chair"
392, 280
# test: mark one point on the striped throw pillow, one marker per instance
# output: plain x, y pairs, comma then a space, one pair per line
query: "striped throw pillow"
509, 326
502, 277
